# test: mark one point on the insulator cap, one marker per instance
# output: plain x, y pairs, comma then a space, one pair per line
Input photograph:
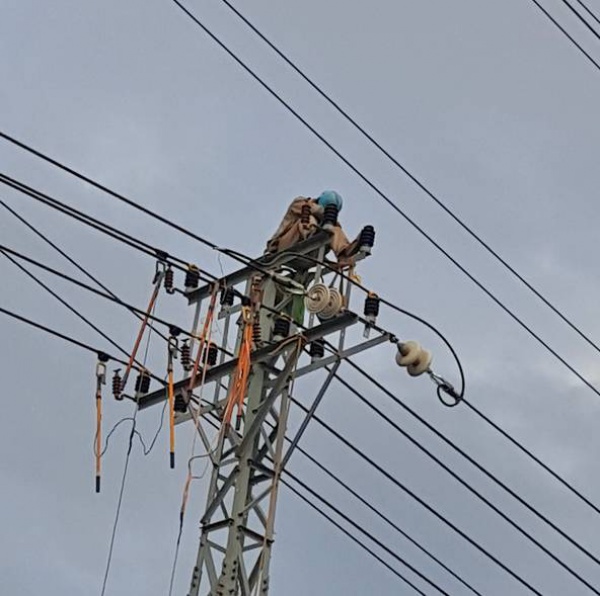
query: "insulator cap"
186, 356
305, 214
169, 280
316, 349
117, 386
211, 353
330, 214
103, 357
180, 405
256, 333
367, 239
192, 278
227, 296
142, 383
281, 327
371, 306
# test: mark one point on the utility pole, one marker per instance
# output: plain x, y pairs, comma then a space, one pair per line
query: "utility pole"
248, 454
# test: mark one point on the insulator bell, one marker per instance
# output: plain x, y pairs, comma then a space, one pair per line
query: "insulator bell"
211, 353
169, 280
142, 383
117, 386
180, 405
227, 296
316, 349
305, 214
330, 214
366, 239
192, 277
186, 356
256, 333
371, 309
281, 328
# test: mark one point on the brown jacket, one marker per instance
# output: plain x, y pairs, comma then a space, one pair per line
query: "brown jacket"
292, 230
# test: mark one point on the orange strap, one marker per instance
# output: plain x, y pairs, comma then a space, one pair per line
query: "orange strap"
205, 330
237, 393
141, 332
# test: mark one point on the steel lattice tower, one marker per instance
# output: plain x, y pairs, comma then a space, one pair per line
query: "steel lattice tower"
237, 526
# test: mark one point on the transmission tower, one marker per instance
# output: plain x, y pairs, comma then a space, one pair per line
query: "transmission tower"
249, 451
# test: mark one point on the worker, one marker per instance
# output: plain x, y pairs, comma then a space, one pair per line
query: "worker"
295, 228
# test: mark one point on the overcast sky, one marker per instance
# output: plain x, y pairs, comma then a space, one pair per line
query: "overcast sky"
485, 101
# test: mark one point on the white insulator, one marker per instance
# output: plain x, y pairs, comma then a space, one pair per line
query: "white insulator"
317, 298
421, 365
334, 306
408, 353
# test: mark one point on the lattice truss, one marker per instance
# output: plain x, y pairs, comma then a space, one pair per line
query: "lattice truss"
249, 449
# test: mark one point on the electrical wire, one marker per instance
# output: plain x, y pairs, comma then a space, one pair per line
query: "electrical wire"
66, 305
87, 287
384, 517
364, 532
60, 335
94, 223
566, 34
418, 499
576, 13
124, 477
71, 260
588, 10
146, 450
468, 486
531, 455
405, 170
349, 534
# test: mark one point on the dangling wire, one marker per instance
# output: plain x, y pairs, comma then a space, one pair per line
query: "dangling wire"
152, 305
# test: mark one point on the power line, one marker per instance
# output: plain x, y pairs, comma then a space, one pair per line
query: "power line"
410, 175
59, 335
566, 33
531, 455
572, 9
588, 10
67, 305
470, 488
385, 518
351, 536
89, 288
418, 499
93, 222
364, 532
73, 262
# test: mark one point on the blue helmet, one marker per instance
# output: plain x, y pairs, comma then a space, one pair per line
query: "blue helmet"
327, 197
